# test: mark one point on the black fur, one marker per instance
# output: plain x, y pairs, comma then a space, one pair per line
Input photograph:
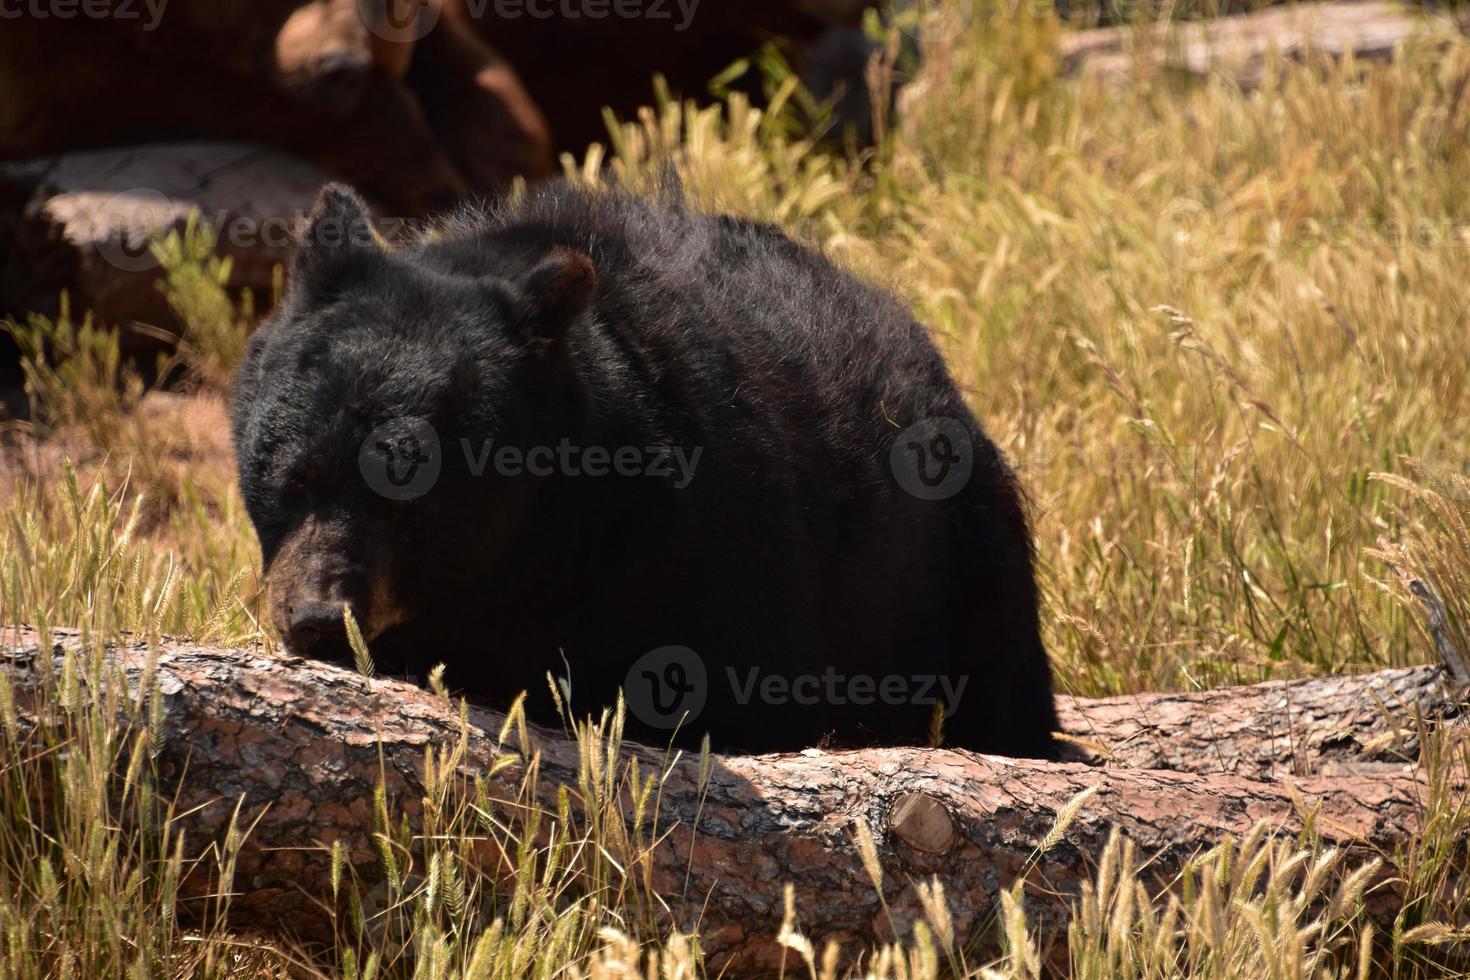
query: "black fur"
612, 321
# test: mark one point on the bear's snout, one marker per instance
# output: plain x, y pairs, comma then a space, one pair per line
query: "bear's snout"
316, 628
313, 578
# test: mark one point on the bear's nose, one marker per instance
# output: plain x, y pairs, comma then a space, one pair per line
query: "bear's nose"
314, 627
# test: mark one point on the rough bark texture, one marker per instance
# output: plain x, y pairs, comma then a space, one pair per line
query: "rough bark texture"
304, 744
1320, 726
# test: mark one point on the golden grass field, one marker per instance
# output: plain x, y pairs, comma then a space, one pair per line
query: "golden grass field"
1223, 335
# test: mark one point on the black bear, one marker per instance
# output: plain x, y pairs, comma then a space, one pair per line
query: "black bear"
636, 447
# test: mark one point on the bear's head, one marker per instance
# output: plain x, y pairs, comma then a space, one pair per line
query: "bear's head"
366, 408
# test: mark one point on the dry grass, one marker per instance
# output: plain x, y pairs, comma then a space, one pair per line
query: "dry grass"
1222, 335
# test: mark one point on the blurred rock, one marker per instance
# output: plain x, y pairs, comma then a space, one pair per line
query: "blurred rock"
82, 222
315, 78
1239, 47
420, 102
573, 64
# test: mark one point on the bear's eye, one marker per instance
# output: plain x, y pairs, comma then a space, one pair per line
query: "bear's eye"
303, 476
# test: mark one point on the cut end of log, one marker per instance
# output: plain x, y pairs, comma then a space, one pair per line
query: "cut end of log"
923, 823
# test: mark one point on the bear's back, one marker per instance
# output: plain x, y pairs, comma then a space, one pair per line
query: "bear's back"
706, 323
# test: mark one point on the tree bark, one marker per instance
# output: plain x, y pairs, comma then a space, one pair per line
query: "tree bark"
301, 746
1319, 726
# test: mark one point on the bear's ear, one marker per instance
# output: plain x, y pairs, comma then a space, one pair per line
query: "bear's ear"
338, 228
555, 293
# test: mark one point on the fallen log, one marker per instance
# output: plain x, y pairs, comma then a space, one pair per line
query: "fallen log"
300, 746
1240, 48
1317, 726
